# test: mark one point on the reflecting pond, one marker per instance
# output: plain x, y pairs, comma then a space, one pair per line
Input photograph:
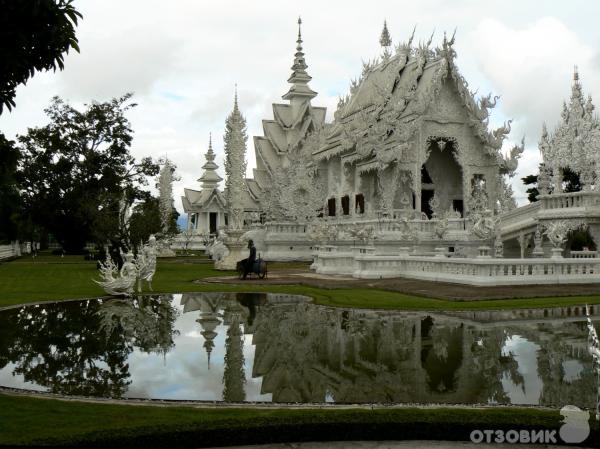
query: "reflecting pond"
268, 347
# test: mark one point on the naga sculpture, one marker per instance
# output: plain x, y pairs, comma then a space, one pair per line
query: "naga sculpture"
115, 282
510, 163
498, 135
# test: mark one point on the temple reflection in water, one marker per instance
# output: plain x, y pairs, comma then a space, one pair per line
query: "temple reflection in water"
246, 347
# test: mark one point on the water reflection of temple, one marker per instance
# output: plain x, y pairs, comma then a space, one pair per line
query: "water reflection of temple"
307, 353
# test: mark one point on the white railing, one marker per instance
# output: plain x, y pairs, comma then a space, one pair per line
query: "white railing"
584, 254
485, 271
570, 200
7, 251
364, 263
286, 227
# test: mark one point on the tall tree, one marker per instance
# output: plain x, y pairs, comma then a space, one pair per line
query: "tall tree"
34, 35
146, 219
9, 194
78, 168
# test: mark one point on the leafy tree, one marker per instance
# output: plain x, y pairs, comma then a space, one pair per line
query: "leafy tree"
146, 219
571, 183
77, 169
34, 35
532, 192
9, 194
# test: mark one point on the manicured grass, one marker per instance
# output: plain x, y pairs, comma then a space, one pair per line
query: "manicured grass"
49, 278
40, 421
79, 424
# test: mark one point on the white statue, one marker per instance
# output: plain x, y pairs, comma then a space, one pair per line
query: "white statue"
118, 283
498, 245
219, 250
362, 233
146, 263
557, 233
484, 225
441, 226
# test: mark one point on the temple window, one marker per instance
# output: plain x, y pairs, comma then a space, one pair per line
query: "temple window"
359, 201
478, 181
458, 206
425, 178
346, 205
331, 207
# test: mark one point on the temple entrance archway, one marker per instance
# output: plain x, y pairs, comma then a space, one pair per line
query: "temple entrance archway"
212, 225
441, 175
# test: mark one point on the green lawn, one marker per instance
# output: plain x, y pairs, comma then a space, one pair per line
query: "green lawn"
35, 421
77, 424
54, 278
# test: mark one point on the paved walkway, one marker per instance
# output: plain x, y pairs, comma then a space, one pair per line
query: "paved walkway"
410, 286
391, 445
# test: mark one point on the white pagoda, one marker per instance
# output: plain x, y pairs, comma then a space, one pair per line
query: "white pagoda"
205, 208
409, 179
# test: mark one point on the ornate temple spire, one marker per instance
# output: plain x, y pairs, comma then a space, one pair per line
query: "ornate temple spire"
210, 179
299, 91
385, 40
235, 164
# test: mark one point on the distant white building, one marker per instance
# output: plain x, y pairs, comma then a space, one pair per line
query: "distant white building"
205, 208
408, 179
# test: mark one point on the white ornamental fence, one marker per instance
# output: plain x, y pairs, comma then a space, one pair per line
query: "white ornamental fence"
365, 264
6, 252
14, 249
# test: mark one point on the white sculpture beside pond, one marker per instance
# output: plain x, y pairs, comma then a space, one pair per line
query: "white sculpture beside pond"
146, 263
115, 282
140, 268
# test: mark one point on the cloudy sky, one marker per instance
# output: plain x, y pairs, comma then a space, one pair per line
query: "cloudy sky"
182, 59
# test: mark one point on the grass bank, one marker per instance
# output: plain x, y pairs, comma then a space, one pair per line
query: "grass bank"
85, 425
52, 278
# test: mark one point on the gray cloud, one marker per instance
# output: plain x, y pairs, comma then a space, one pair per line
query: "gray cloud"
182, 61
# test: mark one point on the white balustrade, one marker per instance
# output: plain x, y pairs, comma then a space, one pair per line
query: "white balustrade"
363, 263
570, 200
584, 254
7, 251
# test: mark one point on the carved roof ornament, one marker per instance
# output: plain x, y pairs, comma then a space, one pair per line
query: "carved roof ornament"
386, 42
210, 179
299, 78
510, 162
575, 142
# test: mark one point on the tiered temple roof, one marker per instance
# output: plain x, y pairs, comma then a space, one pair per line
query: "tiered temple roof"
290, 124
398, 89
210, 179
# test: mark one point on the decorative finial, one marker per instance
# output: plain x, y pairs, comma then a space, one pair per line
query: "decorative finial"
385, 40
576, 74
430, 39
412, 36
210, 150
235, 99
299, 78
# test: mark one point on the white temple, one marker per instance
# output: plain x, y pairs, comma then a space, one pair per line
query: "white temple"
408, 180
